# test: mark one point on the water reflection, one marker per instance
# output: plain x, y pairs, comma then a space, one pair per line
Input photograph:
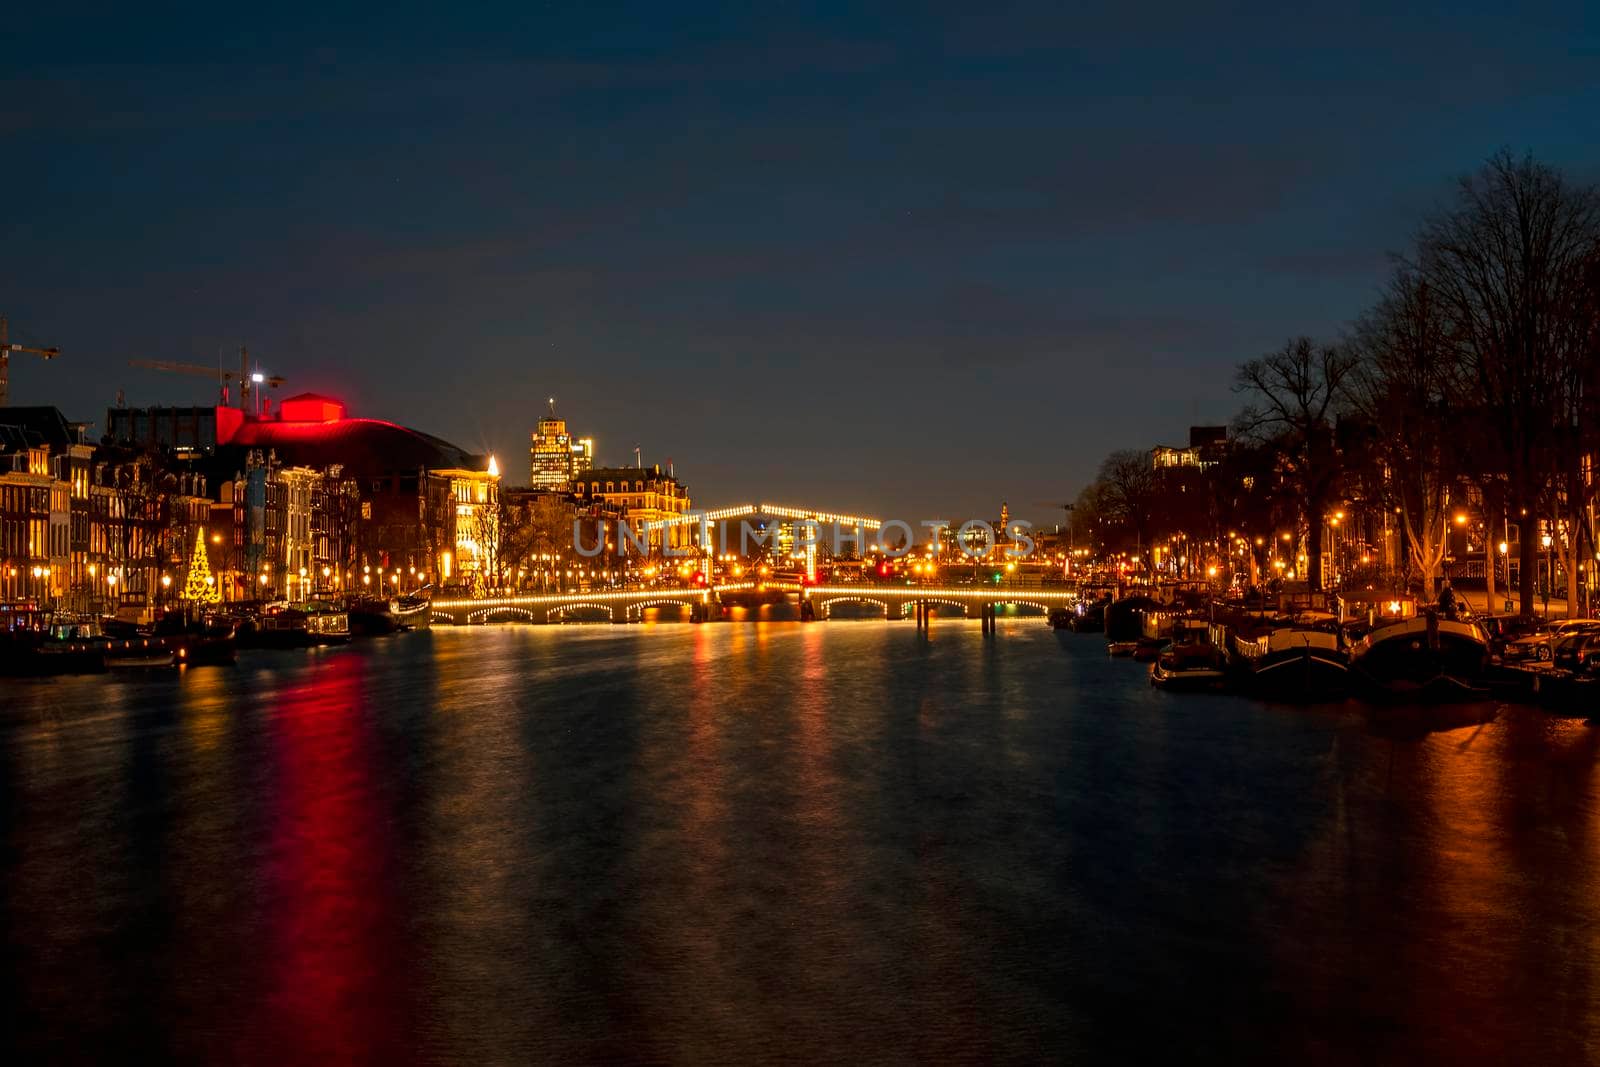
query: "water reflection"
331, 968
774, 840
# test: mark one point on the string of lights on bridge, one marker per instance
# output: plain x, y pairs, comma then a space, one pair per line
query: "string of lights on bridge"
774, 510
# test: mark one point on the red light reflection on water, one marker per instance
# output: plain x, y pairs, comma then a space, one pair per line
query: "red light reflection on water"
330, 974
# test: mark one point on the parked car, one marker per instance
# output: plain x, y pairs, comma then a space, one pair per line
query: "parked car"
1577, 649
1540, 645
1528, 646
1503, 629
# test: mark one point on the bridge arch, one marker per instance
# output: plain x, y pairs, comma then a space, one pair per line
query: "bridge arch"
910, 605
636, 611
503, 613
826, 605
1044, 610
559, 611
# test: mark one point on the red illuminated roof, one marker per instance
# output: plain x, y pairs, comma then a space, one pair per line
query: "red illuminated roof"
366, 447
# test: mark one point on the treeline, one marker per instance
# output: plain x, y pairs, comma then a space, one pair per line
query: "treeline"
1472, 383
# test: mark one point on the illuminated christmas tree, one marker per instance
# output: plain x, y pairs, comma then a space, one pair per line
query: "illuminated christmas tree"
199, 586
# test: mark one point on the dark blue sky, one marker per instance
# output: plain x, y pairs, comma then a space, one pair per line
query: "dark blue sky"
908, 262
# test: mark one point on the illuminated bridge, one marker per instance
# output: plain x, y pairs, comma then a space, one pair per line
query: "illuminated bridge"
701, 604
896, 601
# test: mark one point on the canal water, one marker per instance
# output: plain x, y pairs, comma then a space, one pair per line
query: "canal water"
735, 843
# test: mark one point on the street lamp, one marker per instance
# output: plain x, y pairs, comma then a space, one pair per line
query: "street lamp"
1549, 572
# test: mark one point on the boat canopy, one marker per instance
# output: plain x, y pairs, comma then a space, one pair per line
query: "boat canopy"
1373, 605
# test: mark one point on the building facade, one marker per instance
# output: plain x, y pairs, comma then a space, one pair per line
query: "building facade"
644, 497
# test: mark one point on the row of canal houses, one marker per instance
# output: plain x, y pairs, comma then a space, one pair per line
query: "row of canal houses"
294, 504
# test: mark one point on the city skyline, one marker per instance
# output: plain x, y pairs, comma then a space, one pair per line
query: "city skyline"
749, 242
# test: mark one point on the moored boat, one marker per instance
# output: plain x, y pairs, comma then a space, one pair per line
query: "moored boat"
299, 626
1292, 660
1155, 632
1425, 657
140, 654
1190, 666
371, 617
209, 640
1124, 623
34, 642
1089, 618
412, 612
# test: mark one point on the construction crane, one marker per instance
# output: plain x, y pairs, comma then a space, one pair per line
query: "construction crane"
6, 348
247, 380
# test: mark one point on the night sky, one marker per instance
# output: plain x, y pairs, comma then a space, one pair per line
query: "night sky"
907, 262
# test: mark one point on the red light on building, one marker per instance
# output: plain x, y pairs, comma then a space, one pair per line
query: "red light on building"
310, 407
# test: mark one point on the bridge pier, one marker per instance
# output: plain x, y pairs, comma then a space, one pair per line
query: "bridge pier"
988, 618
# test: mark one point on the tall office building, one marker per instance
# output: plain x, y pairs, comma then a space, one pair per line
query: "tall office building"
554, 456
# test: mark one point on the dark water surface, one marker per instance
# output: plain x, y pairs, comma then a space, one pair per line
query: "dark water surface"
752, 842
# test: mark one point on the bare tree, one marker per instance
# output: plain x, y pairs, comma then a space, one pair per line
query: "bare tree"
516, 539
1509, 262
1406, 384
550, 534
1129, 492
1295, 393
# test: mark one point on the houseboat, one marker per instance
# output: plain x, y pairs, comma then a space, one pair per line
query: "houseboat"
1427, 656
1296, 658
